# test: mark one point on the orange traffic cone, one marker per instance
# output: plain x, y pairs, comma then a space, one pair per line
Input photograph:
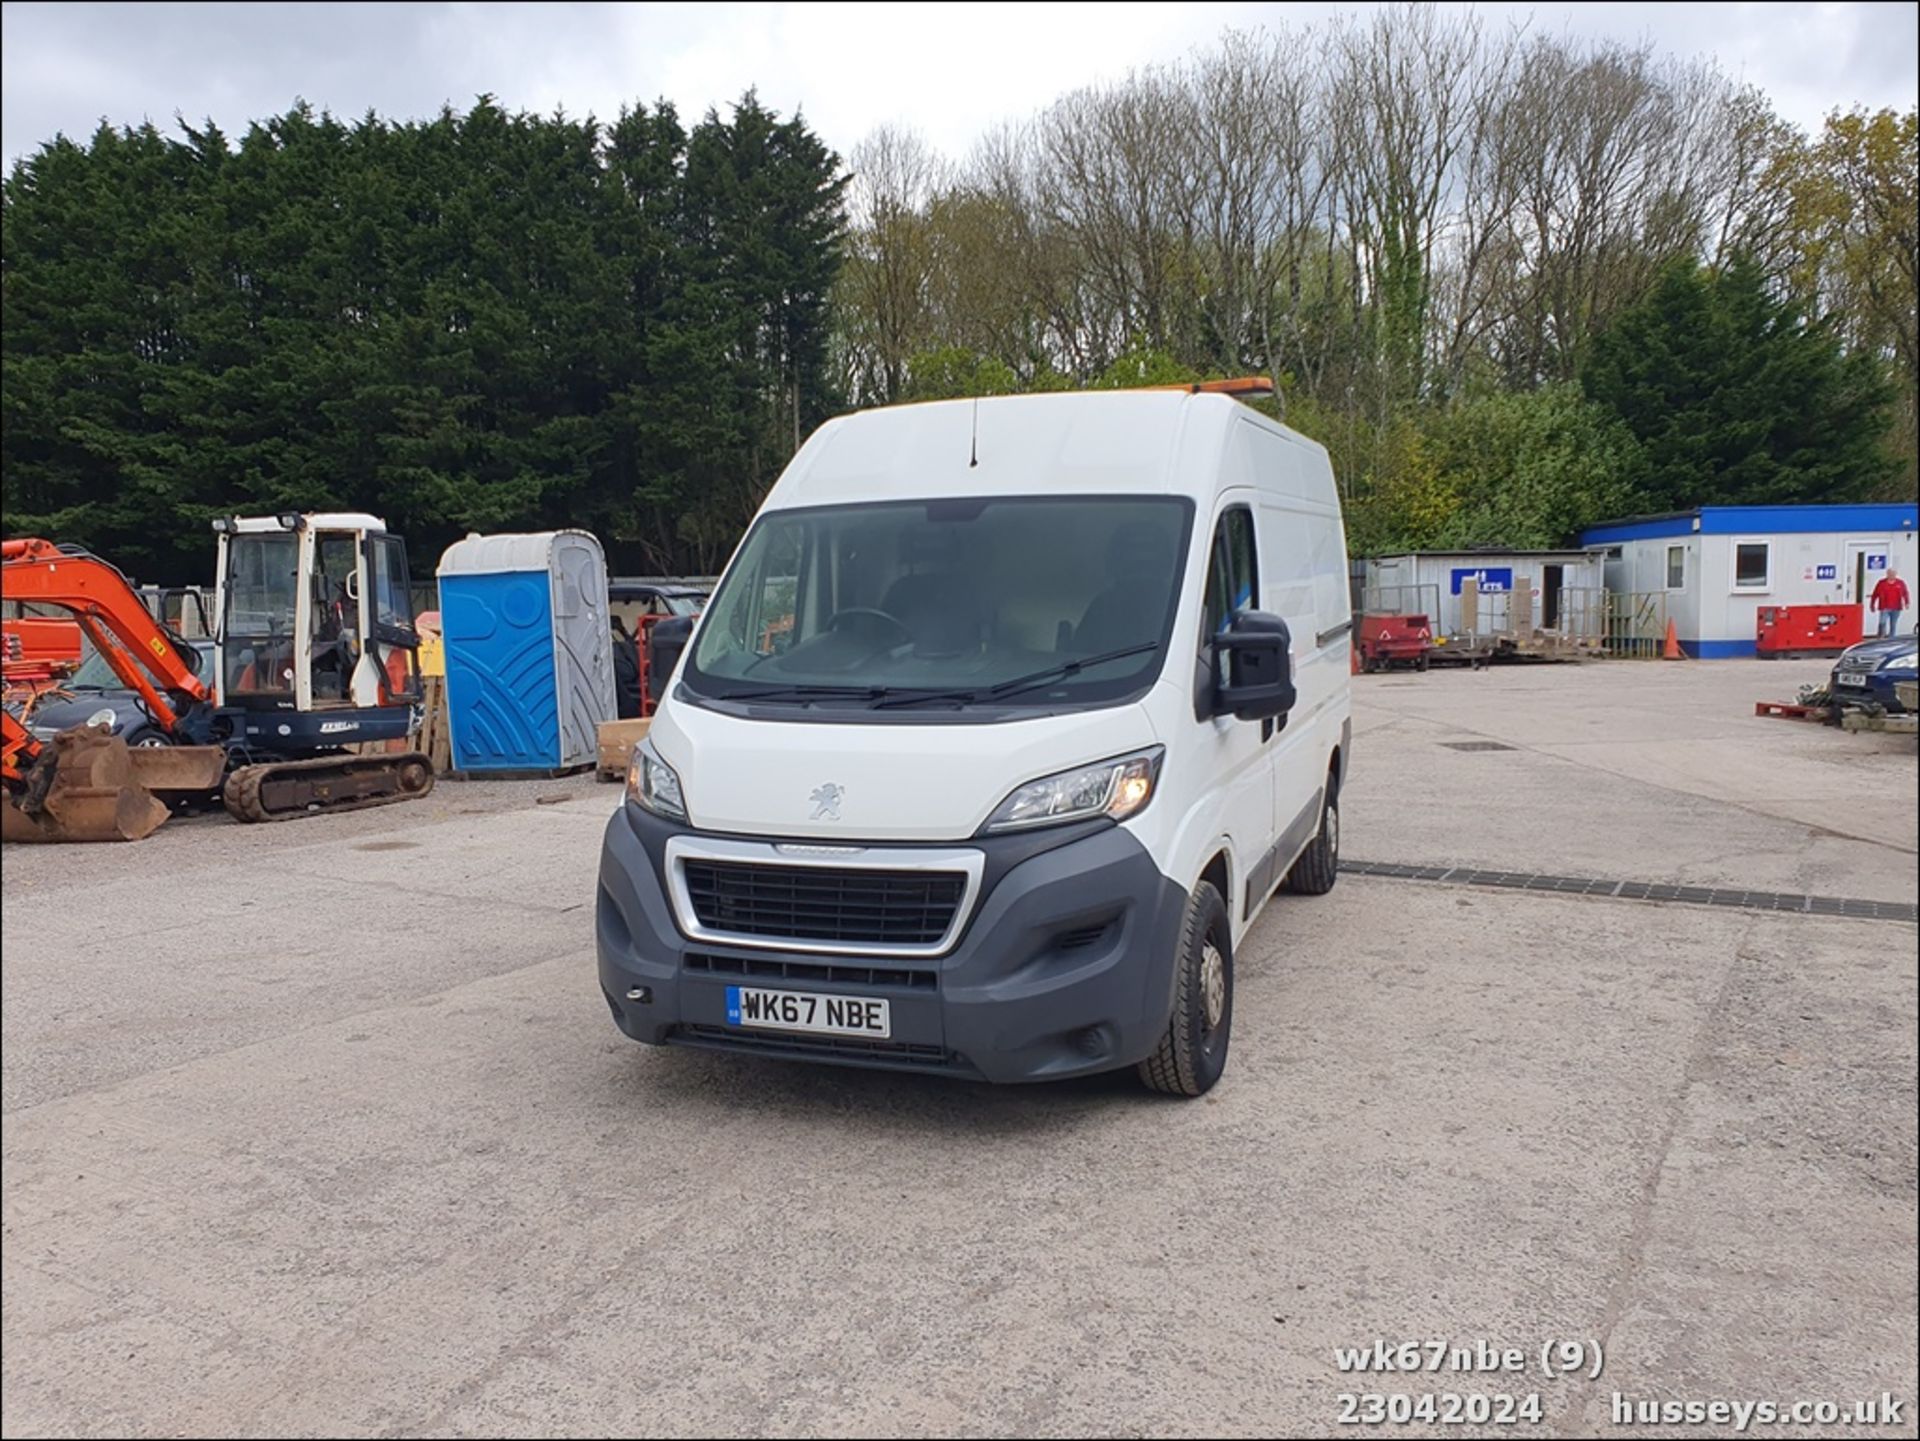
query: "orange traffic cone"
1671, 650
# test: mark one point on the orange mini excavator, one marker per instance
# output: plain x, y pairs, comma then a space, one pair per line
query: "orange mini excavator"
314, 649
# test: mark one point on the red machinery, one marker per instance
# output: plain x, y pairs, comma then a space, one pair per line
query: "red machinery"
86, 785
39, 650
1806, 629
643, 642
1390, 640
644, 645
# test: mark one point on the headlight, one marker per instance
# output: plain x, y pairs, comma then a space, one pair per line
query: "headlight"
1902, 662
105, 716
654, 785
1118, 788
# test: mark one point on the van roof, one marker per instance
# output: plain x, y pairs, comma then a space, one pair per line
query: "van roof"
1075, 442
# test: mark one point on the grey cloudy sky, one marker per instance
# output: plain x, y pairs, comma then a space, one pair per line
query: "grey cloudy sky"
950, 71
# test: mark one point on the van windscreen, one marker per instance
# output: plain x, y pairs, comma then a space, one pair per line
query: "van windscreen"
854, 605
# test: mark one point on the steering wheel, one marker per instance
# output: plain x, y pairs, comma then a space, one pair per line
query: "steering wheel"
867, 614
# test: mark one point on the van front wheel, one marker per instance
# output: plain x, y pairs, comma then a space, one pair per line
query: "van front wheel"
1193, 1052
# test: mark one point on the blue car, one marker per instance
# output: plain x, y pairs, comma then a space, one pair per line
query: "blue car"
96, 696
1867, 673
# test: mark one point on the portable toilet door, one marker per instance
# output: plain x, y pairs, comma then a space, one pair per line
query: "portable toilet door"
529, 660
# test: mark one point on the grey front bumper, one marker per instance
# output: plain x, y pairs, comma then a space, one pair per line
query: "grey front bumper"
1065, 967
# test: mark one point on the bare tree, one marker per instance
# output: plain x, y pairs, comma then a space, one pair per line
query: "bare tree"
1110, 176
1403, 92
1613, 183
1375, 213
885, 281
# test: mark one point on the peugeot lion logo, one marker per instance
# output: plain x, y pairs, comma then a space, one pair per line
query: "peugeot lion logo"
826, 802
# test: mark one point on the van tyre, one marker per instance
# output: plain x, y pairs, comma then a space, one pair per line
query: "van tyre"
1319, 864
1193, 1052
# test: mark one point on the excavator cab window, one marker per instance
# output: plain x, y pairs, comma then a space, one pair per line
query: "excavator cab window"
392, 598
390, 611
263, 584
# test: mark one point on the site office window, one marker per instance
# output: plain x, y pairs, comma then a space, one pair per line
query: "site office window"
1676, 567
1752, 565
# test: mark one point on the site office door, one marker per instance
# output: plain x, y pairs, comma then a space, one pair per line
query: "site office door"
1867, 564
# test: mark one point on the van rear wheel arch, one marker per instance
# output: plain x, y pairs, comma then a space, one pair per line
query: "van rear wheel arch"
1315, 870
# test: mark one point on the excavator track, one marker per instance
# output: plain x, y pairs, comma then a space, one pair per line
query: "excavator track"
287, 790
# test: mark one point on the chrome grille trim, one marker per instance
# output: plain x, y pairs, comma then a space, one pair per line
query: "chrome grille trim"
967, 862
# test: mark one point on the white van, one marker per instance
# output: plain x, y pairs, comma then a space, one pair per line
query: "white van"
1003, 724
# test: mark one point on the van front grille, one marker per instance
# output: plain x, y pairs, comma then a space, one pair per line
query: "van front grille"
819, 971
824, 903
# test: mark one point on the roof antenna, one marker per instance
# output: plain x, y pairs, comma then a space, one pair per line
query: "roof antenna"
973, 459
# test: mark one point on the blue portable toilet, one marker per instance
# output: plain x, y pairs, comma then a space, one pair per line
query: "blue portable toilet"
528, 655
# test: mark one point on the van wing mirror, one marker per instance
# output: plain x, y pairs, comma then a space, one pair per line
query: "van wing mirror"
1253, 667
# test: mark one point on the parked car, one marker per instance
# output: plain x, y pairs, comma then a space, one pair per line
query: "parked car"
653, 616
98, 698
1868, 673
1001, 729
630, 598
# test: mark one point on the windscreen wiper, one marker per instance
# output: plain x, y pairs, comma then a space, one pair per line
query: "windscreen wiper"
809, 692
1020, 682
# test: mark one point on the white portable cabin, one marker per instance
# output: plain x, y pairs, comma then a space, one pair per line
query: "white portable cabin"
1717, 565
529, 654
1517, 592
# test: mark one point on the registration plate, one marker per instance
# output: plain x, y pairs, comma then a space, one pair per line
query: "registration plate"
805, 1011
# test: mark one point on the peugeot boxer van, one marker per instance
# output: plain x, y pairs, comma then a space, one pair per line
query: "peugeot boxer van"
1004, 723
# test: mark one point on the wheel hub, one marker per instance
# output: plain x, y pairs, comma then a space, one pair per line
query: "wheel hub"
1333, 830
1213, 984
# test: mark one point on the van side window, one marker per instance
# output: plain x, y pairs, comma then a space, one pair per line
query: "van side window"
779, 594
759, 615
1233, 580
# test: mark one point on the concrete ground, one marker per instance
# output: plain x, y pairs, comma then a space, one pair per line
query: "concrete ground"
323, 1127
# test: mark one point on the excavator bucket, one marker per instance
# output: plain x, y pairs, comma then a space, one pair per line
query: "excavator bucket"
89, 786
179, 771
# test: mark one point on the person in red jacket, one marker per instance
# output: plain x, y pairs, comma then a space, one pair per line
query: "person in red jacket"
1889, 598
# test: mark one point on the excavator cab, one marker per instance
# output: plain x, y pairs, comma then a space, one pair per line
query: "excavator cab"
316, 641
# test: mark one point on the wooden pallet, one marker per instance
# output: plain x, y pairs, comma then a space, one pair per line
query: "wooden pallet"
617, 738
1787, 710
433, 737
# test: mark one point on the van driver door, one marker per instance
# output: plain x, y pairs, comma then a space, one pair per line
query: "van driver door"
1242, 757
